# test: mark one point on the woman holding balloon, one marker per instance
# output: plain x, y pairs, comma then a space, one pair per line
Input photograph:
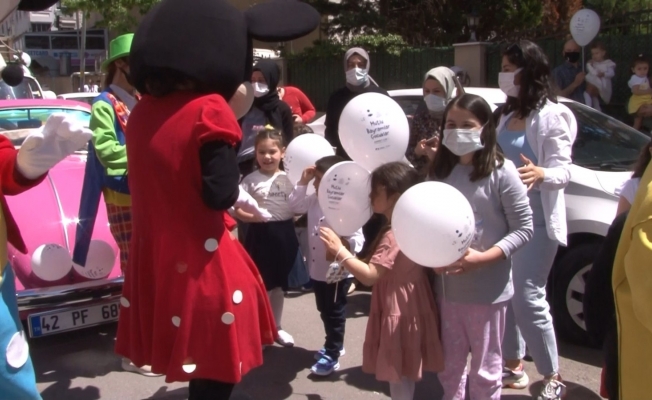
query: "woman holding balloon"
536, 133
438, 86
474, 291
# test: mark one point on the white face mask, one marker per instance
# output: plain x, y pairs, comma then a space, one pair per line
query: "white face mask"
357, 76
462, 141
435, 103
506, 83
260, 89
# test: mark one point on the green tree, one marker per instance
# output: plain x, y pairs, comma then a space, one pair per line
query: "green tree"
116, 14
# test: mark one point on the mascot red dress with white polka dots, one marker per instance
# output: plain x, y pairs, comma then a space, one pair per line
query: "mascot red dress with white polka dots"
194, 306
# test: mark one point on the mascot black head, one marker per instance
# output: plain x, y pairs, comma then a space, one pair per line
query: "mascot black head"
209, 42
12, 73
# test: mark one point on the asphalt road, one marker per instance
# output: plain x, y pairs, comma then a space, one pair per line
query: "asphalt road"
81, 365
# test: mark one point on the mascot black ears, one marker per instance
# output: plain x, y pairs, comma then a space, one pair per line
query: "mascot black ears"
210, 41
12, 73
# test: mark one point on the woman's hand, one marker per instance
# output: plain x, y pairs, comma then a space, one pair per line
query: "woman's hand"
472, 260
530, 174
331, 240
297, 119
427, 147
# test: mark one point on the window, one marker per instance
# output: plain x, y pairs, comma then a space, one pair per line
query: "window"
15, 119
37, 42
95, 43
65, 42
41, 27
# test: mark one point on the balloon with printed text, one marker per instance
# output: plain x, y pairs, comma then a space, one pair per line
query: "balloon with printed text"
374, 130
585, 26
302, 152
344, 197
433, 224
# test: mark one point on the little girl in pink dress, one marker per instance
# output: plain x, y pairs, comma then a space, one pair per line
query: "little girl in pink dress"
402, 338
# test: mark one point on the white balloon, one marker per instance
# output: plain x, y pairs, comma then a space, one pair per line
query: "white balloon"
344, 197
584, 26
374, 130
51, 262
302, 152
99, 261
433, 224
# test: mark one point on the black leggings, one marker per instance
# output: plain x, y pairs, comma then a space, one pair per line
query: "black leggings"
205, 389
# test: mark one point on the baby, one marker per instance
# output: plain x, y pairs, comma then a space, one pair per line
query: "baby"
598, 79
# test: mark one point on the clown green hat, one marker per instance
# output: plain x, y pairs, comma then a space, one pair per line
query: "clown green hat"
118, 48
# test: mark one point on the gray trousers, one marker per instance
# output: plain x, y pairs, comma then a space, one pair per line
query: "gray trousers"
528, 318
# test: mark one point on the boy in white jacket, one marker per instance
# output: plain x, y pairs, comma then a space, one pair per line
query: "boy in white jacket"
331, 298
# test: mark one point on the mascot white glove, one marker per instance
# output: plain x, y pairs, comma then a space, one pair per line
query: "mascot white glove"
61, 136
250, 205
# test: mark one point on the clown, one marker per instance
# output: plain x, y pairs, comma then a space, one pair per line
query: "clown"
106, 167
194, 306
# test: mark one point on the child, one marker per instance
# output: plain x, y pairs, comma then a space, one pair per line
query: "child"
474, 291
272, 245
640, 104
402, 338
330, 297
627, 192
600, 73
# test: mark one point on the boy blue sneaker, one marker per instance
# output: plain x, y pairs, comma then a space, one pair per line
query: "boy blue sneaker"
325, 366
322, 352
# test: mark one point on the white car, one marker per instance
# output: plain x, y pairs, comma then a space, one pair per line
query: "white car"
603, 153
81, 96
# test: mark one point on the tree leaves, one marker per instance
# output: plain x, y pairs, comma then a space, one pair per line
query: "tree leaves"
117, 15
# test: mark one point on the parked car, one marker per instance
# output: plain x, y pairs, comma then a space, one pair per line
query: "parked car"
603, 153
81, 96
55, 295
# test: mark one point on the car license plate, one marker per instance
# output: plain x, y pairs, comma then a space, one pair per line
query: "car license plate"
57, 321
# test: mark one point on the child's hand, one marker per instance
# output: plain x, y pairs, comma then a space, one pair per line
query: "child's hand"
600, 74
331, 240
307, 175
472, 260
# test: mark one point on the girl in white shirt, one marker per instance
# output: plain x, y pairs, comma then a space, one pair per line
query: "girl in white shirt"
272, 245
640, 104
598, 79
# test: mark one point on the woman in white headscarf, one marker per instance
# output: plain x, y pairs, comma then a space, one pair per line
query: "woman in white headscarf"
438, 86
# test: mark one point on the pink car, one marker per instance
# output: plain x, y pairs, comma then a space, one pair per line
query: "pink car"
55, 294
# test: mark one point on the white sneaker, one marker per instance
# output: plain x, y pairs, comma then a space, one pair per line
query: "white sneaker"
285, 339
145, 370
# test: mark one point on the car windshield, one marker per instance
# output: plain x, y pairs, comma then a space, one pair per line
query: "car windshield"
15, 123
22, 91
604, 143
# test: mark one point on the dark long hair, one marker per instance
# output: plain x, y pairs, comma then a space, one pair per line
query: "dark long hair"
485, 160
396, 178
643, 161
535, 82
110, 74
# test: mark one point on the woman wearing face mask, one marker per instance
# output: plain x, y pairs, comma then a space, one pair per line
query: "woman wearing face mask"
356, 66
268, 109
536, 133
437, 91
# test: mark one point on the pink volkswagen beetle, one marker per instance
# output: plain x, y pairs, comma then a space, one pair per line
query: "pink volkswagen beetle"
55, 294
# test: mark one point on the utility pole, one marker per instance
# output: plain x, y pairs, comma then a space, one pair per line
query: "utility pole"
82, 54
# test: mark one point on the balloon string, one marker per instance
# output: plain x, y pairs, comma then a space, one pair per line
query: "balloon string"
335, 298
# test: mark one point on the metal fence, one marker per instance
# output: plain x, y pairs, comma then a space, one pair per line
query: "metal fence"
319, 77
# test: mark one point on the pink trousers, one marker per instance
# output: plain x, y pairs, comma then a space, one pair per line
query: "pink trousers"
480, 328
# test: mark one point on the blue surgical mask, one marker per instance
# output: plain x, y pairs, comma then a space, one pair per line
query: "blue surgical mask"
357, 76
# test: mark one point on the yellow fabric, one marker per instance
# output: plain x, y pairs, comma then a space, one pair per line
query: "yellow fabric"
3, 244
116, 198
632, 283
636, 101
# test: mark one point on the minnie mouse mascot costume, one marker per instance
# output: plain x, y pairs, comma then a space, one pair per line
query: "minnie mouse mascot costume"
194, 306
